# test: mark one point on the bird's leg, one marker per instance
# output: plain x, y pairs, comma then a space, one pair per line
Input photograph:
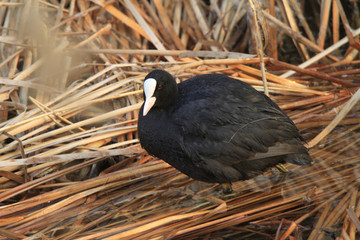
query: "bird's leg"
283, 171
281, 168
226, 187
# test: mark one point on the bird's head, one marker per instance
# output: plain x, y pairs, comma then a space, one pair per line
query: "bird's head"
160, 90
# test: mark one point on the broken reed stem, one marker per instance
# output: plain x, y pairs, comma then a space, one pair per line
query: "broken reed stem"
344, 111
322, 54
260, 48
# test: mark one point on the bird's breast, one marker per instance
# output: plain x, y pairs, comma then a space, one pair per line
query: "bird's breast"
158, 133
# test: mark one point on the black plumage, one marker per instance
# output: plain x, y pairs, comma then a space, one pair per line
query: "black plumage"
215, 128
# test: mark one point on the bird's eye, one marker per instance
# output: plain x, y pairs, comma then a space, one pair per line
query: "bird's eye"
160, 87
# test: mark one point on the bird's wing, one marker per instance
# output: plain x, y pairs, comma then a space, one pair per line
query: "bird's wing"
234, 128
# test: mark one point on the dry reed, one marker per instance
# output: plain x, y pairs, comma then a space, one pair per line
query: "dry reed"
71, 166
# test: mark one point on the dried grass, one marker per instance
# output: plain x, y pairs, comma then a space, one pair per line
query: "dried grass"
71, 166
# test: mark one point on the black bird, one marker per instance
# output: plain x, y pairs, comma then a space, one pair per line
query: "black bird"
216, 129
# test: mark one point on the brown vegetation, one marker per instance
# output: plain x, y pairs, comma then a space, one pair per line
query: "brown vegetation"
71, 166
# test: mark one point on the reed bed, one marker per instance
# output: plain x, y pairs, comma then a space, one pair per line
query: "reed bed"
71, 166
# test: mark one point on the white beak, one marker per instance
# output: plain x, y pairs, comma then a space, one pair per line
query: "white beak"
149, 89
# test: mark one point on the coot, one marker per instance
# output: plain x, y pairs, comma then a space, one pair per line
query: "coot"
214, 128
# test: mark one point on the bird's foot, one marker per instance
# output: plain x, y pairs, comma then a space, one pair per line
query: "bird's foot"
226, 187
